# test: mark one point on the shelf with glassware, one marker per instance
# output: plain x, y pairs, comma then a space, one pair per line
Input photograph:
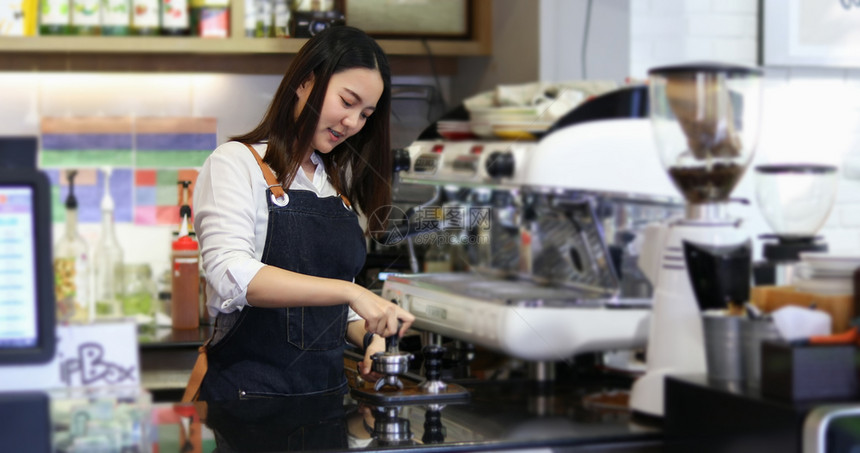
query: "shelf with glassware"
75, 52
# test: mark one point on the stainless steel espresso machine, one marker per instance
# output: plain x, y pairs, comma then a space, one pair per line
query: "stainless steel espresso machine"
549, 229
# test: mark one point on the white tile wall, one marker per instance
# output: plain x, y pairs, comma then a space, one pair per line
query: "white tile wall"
19, 111
65, 94
809, 114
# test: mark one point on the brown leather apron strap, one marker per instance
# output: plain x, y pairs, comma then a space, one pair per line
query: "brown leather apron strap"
192, 389
276, 187
271, 180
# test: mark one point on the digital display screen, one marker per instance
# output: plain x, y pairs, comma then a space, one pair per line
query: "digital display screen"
19, 327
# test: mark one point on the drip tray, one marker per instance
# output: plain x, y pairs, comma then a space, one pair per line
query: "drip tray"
411, 393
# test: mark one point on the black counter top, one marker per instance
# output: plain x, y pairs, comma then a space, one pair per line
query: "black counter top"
168, 338
729, 417
498, 416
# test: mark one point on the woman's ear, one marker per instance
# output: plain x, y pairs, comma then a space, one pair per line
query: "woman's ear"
304, 90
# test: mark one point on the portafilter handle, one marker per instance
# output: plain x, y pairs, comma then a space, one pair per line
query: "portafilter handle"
392, 342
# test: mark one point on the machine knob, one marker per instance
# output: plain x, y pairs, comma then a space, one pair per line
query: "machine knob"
434, 431
402, 160
433, 362
500, 164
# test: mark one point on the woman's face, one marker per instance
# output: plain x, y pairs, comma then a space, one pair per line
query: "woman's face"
350, 99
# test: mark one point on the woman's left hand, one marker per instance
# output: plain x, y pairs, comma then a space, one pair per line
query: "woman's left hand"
365, 367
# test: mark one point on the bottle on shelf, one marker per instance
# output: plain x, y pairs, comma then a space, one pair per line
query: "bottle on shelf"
250, 18
265, 19
145, 17
116, 17
72, 265
281, 15
210, 18
108, 259
86, 17
54, 17
174, 17
185, 257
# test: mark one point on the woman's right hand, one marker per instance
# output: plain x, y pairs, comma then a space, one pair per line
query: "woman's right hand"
380, 316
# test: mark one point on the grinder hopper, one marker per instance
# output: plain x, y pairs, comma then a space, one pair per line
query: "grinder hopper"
706, 126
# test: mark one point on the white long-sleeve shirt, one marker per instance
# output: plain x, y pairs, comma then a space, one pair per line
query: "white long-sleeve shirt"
231, 217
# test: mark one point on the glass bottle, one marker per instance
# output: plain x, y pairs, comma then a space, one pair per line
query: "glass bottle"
140, 292
281, 19
54, 17
116, 17
86, 17
174, 17
108, 259
263, 14
72, 266
250, 18
145, 17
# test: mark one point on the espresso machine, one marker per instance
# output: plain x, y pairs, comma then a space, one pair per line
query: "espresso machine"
705, 121
550, 241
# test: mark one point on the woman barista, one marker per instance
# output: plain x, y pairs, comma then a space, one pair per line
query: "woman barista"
280, 263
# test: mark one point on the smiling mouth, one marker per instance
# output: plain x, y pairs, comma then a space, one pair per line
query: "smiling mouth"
335, 133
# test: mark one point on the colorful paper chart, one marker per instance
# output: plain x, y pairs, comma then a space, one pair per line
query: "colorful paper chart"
174, 142
86, 141
148, 156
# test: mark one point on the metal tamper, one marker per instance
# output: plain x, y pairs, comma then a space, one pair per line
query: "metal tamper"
391, 364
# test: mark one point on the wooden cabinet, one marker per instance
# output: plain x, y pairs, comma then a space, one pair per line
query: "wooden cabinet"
236, 54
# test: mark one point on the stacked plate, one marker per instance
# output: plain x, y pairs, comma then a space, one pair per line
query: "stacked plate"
506, 122
455, 130
826, 273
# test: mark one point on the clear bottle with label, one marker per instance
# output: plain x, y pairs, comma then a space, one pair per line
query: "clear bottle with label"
145, 17
116, 17
108, 260
72, 265
54, 17
86, 17
174, 17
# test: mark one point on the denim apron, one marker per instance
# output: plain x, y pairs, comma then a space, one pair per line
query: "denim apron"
270, 352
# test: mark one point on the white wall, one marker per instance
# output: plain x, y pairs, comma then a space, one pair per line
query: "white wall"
542, 40
515, 52
564, 25
809, 114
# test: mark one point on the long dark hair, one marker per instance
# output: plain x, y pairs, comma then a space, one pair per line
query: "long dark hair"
366, 155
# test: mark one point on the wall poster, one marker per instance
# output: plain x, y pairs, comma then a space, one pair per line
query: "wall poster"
811, 33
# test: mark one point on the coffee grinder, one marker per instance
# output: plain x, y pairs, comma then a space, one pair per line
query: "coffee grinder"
795, 200
705, 119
